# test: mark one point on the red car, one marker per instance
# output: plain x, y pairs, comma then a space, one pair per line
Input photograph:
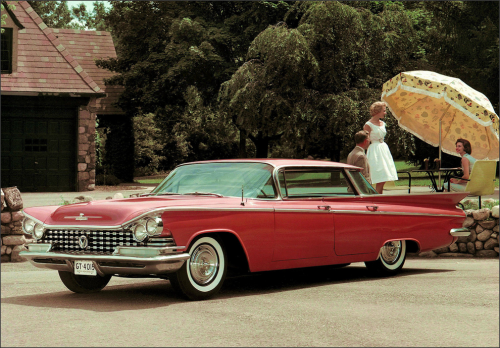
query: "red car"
208, 218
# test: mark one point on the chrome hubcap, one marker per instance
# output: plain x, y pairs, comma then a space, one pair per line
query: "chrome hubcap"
390, 251
204, 264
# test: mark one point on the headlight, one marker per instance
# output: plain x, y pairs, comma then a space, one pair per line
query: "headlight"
151, 227
28, 225
38, 231
140, 232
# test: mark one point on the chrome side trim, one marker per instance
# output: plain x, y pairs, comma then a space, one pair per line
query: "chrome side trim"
389, 213
460, 232
314, 209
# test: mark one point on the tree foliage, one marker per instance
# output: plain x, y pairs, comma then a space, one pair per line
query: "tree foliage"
55, 14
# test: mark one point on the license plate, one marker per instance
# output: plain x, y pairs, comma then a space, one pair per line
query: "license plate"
83, 267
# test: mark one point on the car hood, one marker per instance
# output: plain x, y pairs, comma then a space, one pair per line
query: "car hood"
119, 211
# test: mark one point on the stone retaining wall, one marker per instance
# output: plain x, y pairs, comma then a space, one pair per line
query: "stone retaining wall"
483, 224
483, 240
13, 239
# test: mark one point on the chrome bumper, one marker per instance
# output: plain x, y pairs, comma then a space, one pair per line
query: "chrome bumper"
460, 232
124, 261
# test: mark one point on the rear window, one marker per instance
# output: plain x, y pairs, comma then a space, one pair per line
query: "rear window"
314, 183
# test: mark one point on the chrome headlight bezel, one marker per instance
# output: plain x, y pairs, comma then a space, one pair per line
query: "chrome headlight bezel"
148, 226
38, 231
28, 225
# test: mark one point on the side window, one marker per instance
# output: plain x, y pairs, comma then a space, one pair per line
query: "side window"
7, 51
314, 183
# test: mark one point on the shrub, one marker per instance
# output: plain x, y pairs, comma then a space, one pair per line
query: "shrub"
102, 179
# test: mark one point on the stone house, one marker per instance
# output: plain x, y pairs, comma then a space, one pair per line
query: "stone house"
51, 94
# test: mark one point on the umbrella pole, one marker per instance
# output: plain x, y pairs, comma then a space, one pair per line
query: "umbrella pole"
439, 172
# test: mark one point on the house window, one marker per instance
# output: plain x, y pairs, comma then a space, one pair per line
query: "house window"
7, 51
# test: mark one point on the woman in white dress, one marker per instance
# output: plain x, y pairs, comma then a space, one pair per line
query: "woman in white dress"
382, 167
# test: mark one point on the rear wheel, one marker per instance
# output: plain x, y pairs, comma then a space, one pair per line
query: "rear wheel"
203, 274
82, 283
391, 258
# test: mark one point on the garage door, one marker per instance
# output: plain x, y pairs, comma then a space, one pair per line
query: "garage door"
39, 148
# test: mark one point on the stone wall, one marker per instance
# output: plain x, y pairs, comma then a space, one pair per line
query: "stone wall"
86, 146
483, 240
13, 239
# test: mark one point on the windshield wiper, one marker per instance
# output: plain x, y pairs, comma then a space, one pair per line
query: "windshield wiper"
159, 194
203, 194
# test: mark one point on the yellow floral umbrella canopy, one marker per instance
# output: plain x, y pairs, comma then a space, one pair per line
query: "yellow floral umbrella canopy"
420, 99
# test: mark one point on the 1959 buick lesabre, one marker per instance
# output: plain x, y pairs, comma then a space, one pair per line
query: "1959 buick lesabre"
209, 217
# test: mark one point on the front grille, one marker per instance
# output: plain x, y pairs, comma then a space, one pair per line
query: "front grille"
98, 241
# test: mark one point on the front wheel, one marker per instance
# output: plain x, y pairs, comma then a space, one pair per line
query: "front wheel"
203, 274
391, 258
82, 283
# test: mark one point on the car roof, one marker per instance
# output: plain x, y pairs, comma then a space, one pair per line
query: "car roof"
282, 162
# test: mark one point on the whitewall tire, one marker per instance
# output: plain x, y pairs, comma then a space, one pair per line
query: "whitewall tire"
391, 258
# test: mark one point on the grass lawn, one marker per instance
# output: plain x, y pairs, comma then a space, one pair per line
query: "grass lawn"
420, 179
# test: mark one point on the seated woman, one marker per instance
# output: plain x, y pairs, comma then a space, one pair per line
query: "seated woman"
464, 149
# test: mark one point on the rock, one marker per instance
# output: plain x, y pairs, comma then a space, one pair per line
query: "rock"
80, 198
490, 244
3, 197
494, 235
441, 250
485, 235
462, 247
6, 218
468, 222
13, 198
487, 224
17, 216
479, 245
5, 258
496, 228
8, 251
472, 237
4, 249
494, 211
464, 239
453, 248
118, 195
479, 228
455, 255
15, 257
470, 248
481, 214
486, 253
109, 197
5, 229
16, 230
14, 239
88, 198
468, 212
428, 254
496, 249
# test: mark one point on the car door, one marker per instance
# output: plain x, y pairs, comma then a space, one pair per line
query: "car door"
304, 225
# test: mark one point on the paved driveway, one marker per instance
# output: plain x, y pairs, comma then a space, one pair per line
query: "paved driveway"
433, 302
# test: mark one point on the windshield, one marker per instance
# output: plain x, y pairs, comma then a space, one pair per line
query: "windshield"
227, 179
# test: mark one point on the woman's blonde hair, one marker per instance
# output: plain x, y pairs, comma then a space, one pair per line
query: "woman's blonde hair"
376, 107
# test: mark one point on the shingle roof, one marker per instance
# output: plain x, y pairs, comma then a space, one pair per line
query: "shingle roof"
44, 65
86, 46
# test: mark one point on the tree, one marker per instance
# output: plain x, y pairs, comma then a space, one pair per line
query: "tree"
164, 48
262, 95
55, 14
92, 20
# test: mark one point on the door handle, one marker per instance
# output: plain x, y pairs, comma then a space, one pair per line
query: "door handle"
324, 207
372, 207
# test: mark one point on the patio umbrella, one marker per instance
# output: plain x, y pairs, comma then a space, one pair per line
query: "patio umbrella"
440, 109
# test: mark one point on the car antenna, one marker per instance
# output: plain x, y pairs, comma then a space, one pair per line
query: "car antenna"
242, 202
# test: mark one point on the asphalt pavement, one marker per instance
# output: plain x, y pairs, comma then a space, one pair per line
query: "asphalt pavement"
34, 199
